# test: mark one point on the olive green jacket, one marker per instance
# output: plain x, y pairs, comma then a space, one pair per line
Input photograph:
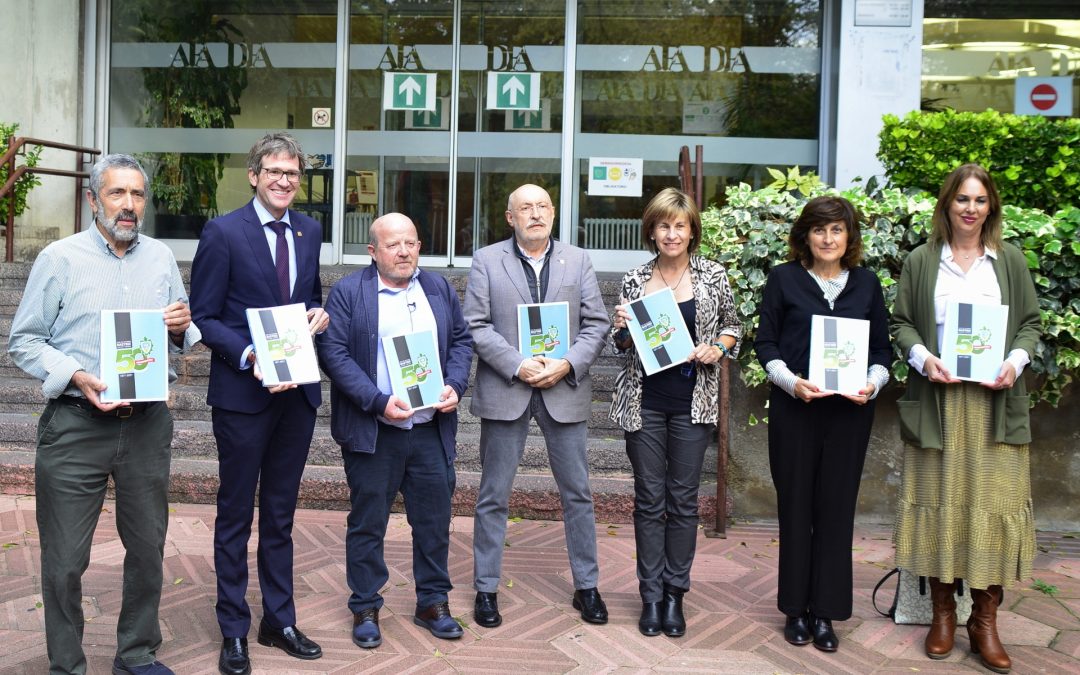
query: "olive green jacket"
913, 322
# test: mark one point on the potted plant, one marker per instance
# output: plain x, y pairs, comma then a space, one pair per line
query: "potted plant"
196, 91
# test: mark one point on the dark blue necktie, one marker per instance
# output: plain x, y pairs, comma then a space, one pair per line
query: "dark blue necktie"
282, 260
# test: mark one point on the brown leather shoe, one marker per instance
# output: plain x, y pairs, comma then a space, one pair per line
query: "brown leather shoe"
939, 641
982, 629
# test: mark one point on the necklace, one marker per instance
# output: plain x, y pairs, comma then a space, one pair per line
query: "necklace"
680, 276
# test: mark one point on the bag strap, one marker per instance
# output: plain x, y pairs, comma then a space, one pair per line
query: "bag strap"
873, 598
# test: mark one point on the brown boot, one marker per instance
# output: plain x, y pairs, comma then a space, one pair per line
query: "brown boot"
939, 641
982, 629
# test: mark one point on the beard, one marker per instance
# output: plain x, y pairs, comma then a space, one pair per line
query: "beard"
110, 224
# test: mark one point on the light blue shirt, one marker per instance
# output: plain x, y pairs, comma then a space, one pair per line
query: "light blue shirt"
401, 311
57, 327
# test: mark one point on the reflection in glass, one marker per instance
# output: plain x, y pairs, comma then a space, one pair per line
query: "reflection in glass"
220, 74
688, 71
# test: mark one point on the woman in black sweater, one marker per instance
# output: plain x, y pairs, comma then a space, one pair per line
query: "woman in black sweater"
817, 440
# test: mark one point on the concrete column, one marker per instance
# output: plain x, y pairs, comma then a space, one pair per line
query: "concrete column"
39, 66
880, 69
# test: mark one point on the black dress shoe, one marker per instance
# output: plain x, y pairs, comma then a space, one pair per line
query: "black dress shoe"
290, 640
671, 614
486, 609
824, 637
591, 606
649, 623
234, 657
797, 630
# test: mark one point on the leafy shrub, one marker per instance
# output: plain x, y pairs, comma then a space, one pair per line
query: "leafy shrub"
1034, 160
26, 183
749, 236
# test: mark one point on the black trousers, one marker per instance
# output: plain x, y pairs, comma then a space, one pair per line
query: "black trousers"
816, 454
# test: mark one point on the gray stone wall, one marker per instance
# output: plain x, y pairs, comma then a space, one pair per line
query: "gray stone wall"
1055, 461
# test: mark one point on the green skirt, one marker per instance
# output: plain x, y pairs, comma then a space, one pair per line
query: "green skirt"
965, 511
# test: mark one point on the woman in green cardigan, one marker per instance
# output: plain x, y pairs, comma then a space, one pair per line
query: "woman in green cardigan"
965, 503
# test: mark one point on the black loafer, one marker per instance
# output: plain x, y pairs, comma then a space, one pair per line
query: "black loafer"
289, 640
797, 630
824, 637
234, 657
649, 623
592, 607
486, 610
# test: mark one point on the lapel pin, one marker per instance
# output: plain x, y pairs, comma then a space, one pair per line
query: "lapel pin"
299, 234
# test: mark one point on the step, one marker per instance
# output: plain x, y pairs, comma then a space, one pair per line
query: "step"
534, 496
194, 439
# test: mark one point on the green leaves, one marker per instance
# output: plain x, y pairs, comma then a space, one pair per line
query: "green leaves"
25, 184
1034, 159
749, 236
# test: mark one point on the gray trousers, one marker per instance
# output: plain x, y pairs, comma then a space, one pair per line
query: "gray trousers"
76, 454
666, 453
501, 446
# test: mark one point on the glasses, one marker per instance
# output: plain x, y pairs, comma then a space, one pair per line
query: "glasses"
408, 245
276, 174
527, 209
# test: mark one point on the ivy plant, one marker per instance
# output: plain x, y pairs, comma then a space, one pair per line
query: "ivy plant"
749, 236
1034, 160
28, 182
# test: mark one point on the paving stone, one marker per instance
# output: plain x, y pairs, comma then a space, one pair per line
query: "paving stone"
733, 624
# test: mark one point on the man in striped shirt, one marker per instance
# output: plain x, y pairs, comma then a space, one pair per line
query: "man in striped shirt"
82, 441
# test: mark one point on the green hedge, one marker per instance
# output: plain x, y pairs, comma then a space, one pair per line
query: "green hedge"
749, 236
1034, 160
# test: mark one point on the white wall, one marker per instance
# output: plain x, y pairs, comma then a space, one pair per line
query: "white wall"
39, 66
880, 69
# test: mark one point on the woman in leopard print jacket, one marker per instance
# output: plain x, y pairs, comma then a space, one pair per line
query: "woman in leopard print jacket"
669, 416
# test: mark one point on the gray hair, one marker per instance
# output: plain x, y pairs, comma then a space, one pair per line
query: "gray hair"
275, 143
114, 161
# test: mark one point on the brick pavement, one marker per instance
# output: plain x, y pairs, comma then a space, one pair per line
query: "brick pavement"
733, 624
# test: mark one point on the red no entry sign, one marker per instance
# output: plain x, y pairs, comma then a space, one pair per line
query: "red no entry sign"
1044, 96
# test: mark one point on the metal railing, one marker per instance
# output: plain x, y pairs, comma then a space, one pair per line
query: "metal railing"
16, 146
691, 180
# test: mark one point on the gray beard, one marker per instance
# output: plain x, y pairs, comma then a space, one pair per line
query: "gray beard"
115, 232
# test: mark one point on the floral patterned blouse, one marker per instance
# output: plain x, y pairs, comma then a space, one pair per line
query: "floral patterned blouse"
716, 316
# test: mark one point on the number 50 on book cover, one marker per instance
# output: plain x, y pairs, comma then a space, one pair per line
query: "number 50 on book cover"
660, 335
839, 353
134, 355
412, 362
973, 345
283, 344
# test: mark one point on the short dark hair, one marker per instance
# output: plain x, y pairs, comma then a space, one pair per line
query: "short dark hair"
991, 229
821, 211
274, 143
667, 203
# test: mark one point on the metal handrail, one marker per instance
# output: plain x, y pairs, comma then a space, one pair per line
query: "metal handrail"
16, 146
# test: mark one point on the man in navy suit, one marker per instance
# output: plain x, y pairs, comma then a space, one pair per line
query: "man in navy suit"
261, 255
387, 445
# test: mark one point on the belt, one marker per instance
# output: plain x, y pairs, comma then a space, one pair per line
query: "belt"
123, 412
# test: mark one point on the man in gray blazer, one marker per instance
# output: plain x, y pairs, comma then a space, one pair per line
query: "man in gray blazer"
510, 390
